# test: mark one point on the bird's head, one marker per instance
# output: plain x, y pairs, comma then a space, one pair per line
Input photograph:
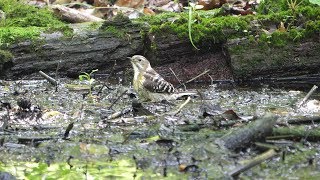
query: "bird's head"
139, 62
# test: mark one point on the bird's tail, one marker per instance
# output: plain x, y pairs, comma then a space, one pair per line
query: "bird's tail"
183, 95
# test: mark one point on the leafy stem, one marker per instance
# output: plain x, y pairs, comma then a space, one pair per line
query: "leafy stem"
87, 76
192, 8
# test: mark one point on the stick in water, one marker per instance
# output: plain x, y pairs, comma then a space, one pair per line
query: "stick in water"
184, 86
48, 78
203, 73
307, 96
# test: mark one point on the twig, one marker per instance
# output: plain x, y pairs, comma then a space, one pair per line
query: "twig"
255, 161
131, 120
184, 86
66, 133
181, 106
203, 73
114, 102
56, 75
112, 70
48, 78
307, 96
266, 146
5, 119
105, 82
73, 15
27, 140
303, 120
210, 78
119, 113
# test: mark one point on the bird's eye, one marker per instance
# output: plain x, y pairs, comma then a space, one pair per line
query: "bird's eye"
139, 60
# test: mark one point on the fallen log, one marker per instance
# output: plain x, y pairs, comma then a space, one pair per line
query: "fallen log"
89, 49
227, 59
304, 120
296, 133
244, 136
253, 162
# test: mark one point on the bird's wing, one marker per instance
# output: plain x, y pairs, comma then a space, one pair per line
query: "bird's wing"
155, 83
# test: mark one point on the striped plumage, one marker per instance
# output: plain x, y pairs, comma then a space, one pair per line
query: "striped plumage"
147, 82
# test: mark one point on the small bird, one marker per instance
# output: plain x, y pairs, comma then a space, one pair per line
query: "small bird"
149, 85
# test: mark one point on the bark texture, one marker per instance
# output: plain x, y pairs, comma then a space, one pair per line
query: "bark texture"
91, 50
106, 49
293, 63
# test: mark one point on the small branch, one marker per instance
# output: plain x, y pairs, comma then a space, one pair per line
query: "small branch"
266, 146
184, 86
105, 82
210, 79
58, 66
181, 106
244, 136
66, 133
296, 132
48, 78
255, 161
307, 96
28, 140
203, 73
119, 113
56, 75
131, 120
73, 15
304, 120
114, 102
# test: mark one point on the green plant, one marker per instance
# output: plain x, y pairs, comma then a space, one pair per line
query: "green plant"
26, 22
315, 2
293, 4
88, 77
192, 9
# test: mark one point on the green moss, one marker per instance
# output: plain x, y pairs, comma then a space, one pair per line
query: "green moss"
312, 27
95, 25
5, 56
26, 22
277, 6
120, 26
115, 31
211, 28
204, 30
13, 34
309, 12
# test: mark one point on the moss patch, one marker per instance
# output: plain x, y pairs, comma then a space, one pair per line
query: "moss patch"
14, 34
210, 27
5, 56
26, 22
120, 26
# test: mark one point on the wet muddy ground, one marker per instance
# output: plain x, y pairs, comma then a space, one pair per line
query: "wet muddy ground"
68, 132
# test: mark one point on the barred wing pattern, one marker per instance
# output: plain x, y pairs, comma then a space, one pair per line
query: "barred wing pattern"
155, 83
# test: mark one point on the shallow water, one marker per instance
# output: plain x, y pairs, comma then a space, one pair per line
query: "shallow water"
34, 141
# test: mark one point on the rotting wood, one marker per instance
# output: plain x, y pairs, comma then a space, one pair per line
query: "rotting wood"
100, 49
243, 136
296, 133
304, 120
253, 162
73, 15
88, 50
48, 78
307, 96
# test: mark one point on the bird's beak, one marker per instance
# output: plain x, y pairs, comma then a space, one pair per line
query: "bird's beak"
131, 60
